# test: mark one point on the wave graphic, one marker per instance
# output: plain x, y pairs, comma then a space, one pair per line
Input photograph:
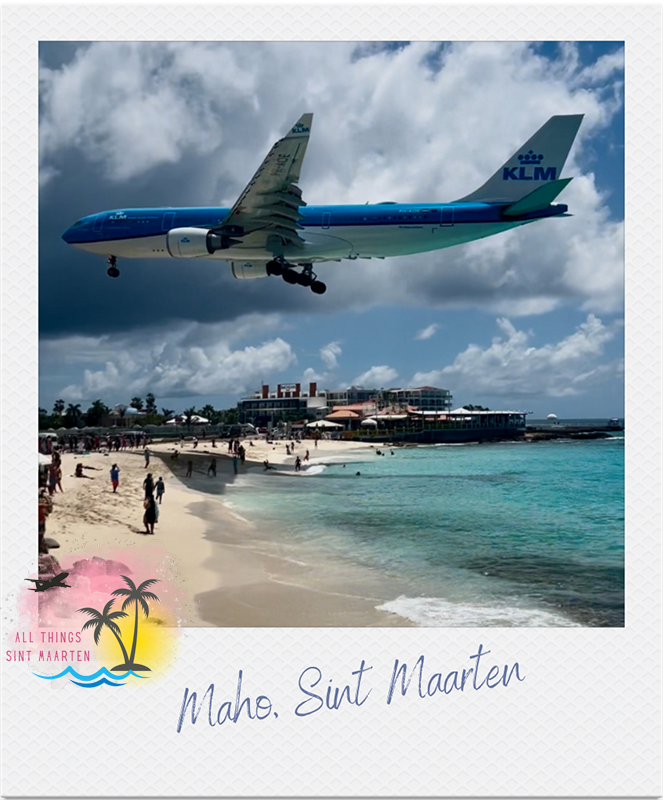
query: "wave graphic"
102, 671
96, 683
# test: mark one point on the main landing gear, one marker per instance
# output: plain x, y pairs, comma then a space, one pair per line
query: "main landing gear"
290, 275
113, 271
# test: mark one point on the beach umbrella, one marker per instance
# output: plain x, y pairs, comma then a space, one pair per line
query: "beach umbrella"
369, 423
322, 423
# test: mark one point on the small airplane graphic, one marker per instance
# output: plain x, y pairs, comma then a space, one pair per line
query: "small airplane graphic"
56, 582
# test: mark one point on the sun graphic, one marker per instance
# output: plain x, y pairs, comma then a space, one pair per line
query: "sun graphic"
134, 632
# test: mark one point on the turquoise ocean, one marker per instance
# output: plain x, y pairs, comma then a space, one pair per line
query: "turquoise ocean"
497, 534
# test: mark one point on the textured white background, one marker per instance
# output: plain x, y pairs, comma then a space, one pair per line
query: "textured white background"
585, 722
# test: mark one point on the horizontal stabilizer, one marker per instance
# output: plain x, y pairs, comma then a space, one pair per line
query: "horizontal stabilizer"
538, 199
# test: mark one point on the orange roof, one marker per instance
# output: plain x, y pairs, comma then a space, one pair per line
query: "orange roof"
342, 414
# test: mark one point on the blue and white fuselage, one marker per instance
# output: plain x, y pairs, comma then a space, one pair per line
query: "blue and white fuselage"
329, 232
271, 231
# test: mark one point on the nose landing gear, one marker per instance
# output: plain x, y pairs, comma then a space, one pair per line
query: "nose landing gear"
113, 271
290, 275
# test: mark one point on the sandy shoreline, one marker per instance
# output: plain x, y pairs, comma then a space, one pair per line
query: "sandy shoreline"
228, 572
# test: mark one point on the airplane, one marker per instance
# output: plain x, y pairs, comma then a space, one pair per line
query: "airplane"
270, 230
56, 582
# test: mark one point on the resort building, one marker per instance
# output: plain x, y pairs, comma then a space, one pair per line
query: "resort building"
425, 398
351, 396
263, 408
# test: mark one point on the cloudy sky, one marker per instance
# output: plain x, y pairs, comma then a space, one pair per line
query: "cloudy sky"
530, 319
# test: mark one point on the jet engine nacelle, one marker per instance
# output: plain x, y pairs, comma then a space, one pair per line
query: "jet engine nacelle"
249, 269
196, 242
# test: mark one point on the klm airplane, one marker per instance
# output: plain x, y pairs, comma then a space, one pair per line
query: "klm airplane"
271, 231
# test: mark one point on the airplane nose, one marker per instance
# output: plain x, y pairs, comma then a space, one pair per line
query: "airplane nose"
68, 236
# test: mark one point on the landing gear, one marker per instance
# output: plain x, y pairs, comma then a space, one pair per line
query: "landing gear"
274, 267
113, 271
290, 275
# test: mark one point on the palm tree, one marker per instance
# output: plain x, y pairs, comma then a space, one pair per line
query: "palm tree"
188, 414
209, 412
101, 619
138, 595
73, 415
96, 412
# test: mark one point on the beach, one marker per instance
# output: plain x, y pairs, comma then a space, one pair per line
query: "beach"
228, 571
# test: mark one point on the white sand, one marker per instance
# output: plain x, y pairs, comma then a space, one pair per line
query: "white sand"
230, 573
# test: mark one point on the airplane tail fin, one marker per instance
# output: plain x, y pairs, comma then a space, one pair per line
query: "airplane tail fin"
538, 162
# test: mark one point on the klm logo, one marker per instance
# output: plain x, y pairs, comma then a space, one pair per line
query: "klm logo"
299, 128
529, 169
185, 240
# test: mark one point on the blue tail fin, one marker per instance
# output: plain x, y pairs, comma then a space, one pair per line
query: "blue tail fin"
538, 162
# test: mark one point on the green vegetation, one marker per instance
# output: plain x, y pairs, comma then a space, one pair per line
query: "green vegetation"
97, 415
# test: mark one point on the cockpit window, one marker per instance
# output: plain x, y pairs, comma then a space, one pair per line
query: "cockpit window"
79, 223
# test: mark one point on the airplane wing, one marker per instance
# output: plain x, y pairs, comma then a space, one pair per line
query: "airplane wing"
269, 205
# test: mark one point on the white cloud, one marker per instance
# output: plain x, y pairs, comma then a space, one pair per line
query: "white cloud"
426, 333
512, 366
330, 354
376, 377
189, 360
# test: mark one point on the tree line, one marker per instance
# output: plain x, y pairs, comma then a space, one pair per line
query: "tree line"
73, 416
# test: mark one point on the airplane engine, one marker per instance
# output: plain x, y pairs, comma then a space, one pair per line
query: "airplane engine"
249, 269
196, 242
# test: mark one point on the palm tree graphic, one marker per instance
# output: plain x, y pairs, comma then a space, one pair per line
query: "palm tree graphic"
105, 619
138, 596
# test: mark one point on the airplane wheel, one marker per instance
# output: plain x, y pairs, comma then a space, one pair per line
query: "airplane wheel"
304, 279
113, 272
274, 268
318, 287
290, 276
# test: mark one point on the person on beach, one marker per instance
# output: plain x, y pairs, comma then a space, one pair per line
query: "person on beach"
148, 485
150, 515
195, 442
235, 463
189, 469
298, 464
146, 453
306, 456
212, 468
287, 449
115, 477
160, 489
52, 479
79, 472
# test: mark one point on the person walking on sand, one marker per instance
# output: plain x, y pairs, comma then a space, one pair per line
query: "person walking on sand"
189, 469
146, 453
148, 485
212, 468
306, 456
298, 464
150, 515
160, 489
115, 477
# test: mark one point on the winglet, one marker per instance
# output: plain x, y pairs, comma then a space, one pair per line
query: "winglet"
302, 127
